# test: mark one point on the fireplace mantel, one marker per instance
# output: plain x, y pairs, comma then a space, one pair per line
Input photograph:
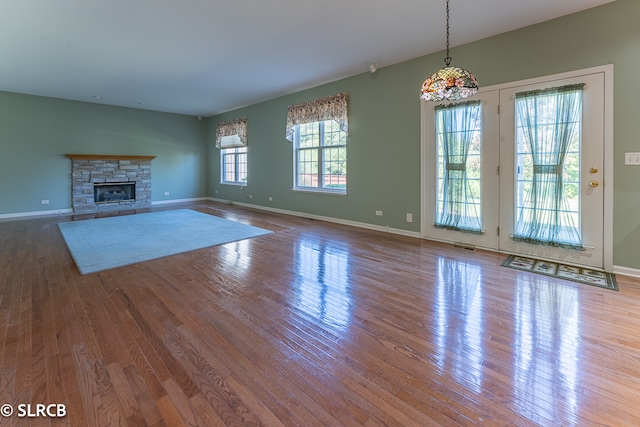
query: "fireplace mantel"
108, 157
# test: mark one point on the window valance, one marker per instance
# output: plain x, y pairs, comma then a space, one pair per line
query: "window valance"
329, 108
232, 133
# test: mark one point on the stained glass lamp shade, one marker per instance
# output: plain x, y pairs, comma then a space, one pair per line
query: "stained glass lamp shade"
449, 84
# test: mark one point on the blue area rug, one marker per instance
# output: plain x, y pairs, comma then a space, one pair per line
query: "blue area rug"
104, 243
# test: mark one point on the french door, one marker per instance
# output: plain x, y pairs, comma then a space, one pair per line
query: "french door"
533, 196
481, 170
581, 174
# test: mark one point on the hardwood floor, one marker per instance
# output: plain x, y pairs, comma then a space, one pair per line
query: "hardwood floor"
316, 324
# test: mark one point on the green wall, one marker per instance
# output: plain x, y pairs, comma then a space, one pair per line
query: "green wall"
37, 132
383, 153
384, 138
384, 122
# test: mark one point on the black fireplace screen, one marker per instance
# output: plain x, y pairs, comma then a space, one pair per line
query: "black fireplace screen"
114, 192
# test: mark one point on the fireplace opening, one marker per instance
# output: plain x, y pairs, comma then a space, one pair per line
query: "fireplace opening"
113, 192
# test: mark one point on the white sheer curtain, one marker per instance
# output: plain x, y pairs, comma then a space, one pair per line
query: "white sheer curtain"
458, 129
548, 127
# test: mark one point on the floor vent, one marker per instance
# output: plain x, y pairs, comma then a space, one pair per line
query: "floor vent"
464, 246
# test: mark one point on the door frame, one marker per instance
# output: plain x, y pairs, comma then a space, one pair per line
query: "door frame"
607, 181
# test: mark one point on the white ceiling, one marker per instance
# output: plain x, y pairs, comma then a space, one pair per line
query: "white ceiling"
203, 57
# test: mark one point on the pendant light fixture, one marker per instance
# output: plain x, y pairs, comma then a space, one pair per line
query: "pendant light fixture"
449, 83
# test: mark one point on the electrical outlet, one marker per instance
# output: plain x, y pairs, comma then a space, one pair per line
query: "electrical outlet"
44, 202
270, 199
166, 193
409, 217
251, 196
378, 213
632, 159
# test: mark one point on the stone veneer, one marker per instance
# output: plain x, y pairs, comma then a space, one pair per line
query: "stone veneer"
89, 169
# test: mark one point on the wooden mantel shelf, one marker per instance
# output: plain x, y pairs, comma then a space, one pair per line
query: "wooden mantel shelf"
107, 157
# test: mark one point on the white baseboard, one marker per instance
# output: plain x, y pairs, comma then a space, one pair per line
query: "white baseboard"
68, 211
358, 224
626, 271
173, 201
36, 213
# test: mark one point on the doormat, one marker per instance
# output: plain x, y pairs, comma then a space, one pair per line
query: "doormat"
563, 271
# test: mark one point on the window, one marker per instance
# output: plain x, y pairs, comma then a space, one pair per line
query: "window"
320, 153
233, 165
318, 130
231, 139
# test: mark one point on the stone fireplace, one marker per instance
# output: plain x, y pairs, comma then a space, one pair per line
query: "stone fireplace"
110, 182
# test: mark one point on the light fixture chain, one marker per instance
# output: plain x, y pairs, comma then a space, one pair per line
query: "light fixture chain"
447, 60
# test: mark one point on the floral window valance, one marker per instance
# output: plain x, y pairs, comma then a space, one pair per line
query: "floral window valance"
329, 108
232, 133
